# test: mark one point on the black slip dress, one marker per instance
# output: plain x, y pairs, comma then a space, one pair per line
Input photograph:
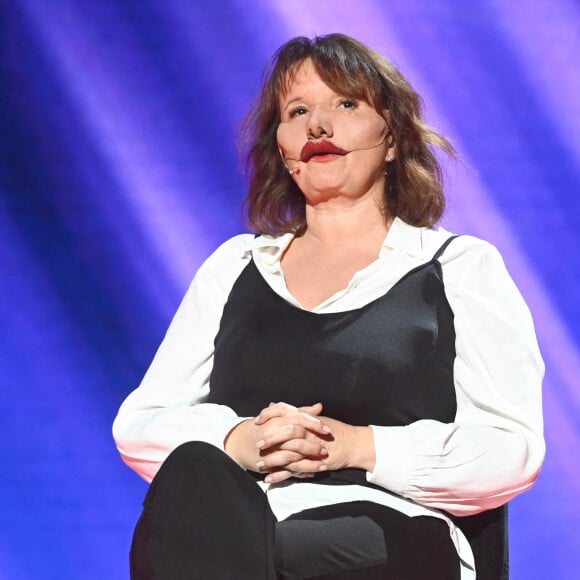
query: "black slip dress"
388, 363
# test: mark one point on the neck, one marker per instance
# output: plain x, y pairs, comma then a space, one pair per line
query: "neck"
342, 220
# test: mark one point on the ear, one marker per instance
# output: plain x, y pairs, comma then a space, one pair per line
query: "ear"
391, 153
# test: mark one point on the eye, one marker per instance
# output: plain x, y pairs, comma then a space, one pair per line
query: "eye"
348, 104
296, 111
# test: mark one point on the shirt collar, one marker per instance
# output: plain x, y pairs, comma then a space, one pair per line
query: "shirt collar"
401, 236
404, 237
271, 248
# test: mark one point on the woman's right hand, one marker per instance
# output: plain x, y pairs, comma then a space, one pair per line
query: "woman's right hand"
296, 442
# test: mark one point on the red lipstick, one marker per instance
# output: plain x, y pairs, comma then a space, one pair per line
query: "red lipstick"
314, 148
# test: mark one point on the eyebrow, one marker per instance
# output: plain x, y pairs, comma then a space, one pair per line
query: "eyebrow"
294, 100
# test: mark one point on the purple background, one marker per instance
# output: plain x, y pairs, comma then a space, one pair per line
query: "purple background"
119, 174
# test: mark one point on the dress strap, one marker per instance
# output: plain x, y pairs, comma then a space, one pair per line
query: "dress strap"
443, 247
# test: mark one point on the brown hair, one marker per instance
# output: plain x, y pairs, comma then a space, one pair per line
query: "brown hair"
413, 189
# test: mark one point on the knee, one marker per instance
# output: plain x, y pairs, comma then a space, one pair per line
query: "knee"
196, 469
186, 464
193, 457
195, 451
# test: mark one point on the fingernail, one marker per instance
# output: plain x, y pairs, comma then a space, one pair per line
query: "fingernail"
324, 451
268, 479
311, 418
260, 464
326, 429
323, 468
260, 444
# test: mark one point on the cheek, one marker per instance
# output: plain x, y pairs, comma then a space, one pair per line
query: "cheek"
290, 140
363, 134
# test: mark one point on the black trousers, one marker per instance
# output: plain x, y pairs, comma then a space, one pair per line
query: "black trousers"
205, 518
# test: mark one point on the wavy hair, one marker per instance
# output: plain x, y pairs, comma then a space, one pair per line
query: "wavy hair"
414, 185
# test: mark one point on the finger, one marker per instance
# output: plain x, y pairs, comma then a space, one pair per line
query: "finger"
300, 427
312, 424
294, 470
307, 466
301, 465
283, 406
309, 422
281, 435
282, 475
305, 447
283, 409
267, 415
277, 460
315, 409
274, 410
278, 476
281, 458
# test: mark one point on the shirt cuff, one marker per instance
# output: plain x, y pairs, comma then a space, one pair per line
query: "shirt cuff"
394, 458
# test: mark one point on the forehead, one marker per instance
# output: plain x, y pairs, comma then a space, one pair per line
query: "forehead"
301, 77
306, 77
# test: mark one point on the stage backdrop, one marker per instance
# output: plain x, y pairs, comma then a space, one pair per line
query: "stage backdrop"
119, 174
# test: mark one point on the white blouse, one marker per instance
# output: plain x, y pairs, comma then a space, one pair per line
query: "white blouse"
490, 453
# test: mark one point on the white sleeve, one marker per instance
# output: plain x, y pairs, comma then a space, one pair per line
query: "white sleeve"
168, 409
494, 449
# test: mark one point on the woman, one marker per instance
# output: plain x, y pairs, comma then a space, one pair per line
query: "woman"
403, 359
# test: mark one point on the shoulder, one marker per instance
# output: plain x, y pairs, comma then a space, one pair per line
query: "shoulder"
424, 243
233, 250
226, 263
222, 267
465, 250
468, 262
476, 278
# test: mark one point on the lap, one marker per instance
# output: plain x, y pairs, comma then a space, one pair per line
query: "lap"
362, 539
199, 484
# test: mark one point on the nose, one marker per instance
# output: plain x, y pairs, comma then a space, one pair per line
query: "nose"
319, 123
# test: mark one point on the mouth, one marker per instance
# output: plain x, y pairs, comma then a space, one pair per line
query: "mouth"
319, 149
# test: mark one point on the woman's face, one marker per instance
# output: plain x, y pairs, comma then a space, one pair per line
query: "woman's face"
332, 145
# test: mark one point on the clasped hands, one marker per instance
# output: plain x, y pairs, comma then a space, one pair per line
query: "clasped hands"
286, 441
